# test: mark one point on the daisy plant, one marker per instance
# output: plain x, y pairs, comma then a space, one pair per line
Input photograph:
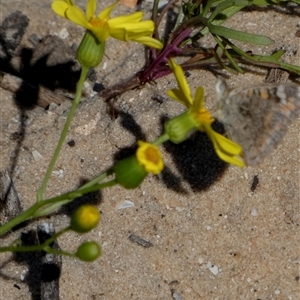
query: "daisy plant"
91, 49
131, 171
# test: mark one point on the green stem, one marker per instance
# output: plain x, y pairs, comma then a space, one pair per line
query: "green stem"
44, 246
161, 139
33, 212
64, 133
97, 179
70, 196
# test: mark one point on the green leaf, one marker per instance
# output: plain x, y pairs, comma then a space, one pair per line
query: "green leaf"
239, 35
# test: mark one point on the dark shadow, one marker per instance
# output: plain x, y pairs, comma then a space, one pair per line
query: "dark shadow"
129, 123
40, 271
93, 198
282, 8
197, 161
50, 63
172, 181
34, 262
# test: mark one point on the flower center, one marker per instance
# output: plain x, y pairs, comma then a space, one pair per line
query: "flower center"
96, 22
152, 155
203, 115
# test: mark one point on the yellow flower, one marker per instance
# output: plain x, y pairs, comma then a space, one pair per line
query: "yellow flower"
226, 149
85, 218
150, 157
125, 28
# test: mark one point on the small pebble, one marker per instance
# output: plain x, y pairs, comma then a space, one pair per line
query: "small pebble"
63, 34
254, 212
125, 204
214, 270
200, 260
36, 155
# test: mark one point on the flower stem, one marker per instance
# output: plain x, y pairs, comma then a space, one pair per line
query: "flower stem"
161, 139
57, 202
63, 135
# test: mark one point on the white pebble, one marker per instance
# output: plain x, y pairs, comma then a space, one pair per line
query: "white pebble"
63, 34
254, 212
125, 204
200, 260
36, 155
214, 270
277, 292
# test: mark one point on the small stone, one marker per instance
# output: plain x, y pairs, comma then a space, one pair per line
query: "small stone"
254, 212
200, 260
125, 204
36, 155
214, 270
63, 34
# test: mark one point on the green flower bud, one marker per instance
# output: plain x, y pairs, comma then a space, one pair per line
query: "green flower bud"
85, 218
180, 127
90, 51
88, 251
130, 173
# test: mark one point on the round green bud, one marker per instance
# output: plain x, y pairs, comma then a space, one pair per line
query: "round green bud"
88, 251
85, 218
130, 173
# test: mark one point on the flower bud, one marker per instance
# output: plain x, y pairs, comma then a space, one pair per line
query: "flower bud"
180, 127
130, 173
88, 251
85, 218
90, 51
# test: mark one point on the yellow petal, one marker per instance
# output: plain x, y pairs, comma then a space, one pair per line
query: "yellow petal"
132, 18
226, 149
181, 81
177, 95
60, 7
90, 9
105, 14
149, 41
228, 145
199, 99
119, 34
101, 33
76, 15
133, 30
233, 160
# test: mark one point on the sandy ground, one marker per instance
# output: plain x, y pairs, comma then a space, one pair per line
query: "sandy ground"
212, 237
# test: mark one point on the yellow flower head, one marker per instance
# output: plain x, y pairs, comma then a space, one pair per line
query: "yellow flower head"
125, 28
85, 218
150, 157
226, 149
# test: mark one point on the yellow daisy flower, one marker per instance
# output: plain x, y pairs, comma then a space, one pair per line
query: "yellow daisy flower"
125, 28
226, 149
150, 157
